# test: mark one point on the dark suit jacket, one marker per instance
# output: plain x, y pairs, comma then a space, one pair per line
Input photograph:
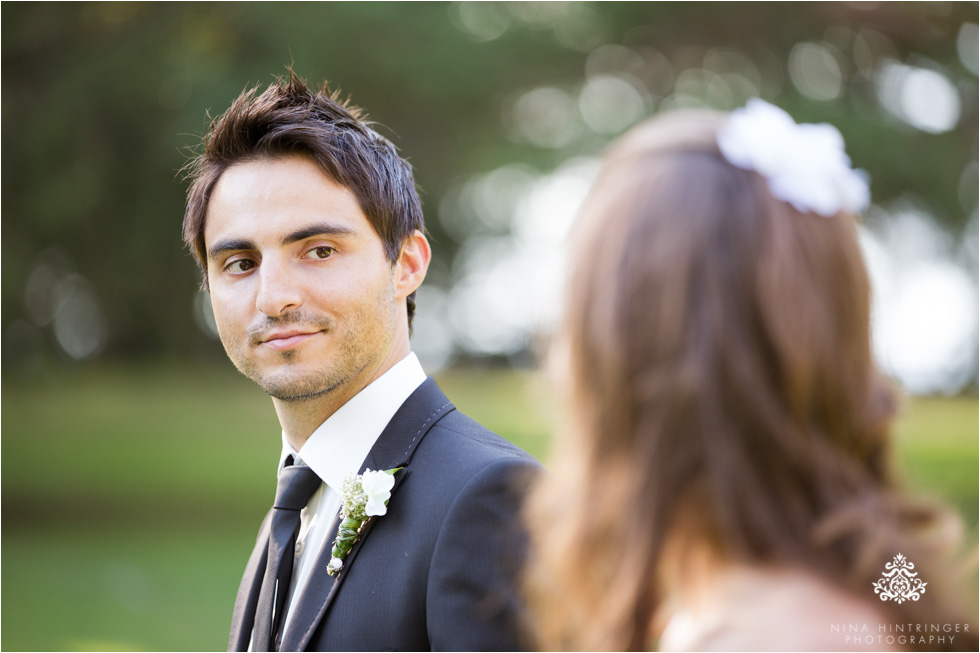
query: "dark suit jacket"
437, 571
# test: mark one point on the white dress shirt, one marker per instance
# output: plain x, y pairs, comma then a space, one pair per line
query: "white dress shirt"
338, 448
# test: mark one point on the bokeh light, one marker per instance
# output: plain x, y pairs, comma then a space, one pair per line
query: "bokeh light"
816, 71
611, 103
966, 46
56, 296
921, 97
924, 313
546, 117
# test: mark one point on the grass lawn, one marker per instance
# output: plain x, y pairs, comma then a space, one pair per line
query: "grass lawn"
131, 495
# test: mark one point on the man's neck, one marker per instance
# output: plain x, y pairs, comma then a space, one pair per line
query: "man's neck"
299, 419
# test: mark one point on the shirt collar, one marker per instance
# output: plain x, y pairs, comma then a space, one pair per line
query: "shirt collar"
339, 446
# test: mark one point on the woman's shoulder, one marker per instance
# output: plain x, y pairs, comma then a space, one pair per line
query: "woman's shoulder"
748, 608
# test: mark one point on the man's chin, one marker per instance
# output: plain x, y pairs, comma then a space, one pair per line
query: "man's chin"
297, 393
294, 384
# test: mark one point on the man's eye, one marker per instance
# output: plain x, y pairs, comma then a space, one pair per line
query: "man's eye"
321, 252
240, 265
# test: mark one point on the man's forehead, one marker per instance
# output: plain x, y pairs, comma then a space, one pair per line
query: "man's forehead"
302, 169
280, 196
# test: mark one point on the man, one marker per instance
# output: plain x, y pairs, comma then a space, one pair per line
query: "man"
309, 230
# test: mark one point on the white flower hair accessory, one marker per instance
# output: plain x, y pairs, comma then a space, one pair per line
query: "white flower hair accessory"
805, 165
365, 496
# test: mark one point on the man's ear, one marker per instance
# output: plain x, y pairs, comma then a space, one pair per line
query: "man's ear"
412, 264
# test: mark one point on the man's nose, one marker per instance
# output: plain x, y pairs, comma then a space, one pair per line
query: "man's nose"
278, 290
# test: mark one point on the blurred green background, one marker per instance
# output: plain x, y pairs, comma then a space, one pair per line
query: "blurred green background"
137, 463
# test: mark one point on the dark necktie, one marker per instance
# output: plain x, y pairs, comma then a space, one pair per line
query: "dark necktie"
297, 483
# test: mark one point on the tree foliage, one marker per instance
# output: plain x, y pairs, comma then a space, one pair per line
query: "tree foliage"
101, 102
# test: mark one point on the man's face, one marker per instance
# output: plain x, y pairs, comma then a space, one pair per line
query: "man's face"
303, 295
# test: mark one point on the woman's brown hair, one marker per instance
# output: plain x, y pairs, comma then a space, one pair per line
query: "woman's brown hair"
720, 393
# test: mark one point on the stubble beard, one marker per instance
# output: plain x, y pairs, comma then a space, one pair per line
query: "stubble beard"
362, 346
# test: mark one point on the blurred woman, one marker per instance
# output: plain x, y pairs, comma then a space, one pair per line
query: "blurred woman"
723, 481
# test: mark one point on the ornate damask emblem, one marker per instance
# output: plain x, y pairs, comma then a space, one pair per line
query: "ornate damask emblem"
899, 583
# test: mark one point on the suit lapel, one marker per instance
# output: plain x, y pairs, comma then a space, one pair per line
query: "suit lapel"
248, 592
394, 448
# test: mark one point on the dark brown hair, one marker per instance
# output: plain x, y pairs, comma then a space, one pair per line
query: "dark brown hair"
720, 392
290, 118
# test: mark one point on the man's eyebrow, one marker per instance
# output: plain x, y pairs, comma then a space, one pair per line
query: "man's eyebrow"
228, 245
319, 229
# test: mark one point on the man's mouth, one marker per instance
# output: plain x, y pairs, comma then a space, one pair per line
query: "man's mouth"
281, 339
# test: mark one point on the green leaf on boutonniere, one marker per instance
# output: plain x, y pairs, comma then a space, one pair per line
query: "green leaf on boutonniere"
364, 496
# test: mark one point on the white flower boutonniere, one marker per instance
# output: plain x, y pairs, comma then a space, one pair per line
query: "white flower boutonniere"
365, 496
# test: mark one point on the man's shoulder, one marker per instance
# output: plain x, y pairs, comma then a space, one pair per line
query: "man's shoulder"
430, 420
460, 456
470, 440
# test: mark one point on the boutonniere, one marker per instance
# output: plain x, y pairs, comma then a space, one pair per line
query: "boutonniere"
365, 495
